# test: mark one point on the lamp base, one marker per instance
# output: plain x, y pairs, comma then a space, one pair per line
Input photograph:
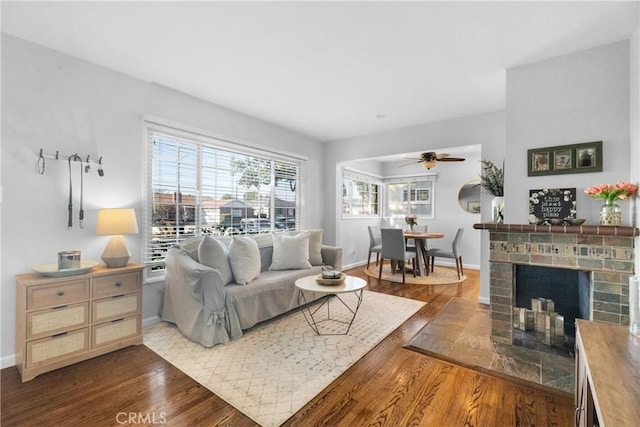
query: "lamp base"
116, 253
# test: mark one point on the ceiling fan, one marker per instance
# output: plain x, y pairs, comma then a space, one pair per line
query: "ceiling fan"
430, 158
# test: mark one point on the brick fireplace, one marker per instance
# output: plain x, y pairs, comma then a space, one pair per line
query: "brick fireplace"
607, 253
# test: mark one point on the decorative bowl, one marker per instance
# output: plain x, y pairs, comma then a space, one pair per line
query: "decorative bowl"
330, 282
555, 221
536, 221
575, 221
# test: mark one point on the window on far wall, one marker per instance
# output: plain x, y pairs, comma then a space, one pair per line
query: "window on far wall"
360, 195
200, 185
413, 195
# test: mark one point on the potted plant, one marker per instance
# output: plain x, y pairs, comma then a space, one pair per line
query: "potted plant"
492, 181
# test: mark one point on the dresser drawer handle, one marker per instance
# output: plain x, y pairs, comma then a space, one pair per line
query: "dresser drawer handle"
117, 320
59, 307
61, 334
118, 284
118, 296
60, 293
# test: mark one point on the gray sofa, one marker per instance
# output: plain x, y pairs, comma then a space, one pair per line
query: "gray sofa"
209, 312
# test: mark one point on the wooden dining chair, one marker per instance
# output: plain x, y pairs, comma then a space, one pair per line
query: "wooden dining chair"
455, 253
375, 243
393, 249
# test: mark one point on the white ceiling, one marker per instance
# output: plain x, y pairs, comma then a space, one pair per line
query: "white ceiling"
326, 69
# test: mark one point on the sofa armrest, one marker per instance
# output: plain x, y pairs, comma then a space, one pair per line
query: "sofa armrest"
195, 300
332, 255
194, 278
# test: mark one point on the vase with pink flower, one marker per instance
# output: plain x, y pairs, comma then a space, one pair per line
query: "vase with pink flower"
611, 213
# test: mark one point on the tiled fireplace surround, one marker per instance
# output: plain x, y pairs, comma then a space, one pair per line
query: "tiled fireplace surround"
607, 252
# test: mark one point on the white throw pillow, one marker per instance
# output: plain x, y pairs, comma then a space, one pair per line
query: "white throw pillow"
214, 254
244, 257
290, 252
315, 245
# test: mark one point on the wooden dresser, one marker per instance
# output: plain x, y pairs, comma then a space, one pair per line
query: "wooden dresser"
607, 375
64, 320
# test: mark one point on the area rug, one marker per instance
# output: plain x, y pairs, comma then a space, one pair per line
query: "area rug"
461, 335
440, 276
275, 368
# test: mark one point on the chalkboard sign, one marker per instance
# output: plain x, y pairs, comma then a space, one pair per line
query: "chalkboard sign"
552, 203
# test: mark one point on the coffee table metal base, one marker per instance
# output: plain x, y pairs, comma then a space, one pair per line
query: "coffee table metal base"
313, 318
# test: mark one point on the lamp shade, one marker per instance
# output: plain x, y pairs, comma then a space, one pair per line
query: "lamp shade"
116, 222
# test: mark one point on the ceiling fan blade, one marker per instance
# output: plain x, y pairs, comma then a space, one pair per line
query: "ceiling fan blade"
412, 163
451, 159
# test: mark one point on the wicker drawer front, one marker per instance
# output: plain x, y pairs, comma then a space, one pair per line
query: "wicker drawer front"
48, 322
116, 307
116, 284
114, 331
50, 350
57, 294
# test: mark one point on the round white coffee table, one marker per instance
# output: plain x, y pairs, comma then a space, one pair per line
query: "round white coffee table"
351, 284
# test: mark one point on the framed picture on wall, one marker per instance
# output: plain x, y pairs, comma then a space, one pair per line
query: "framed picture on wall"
473, 206
563, 159
540, 161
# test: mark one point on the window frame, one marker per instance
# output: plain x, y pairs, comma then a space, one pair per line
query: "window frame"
215, 142
364, 178
410, 195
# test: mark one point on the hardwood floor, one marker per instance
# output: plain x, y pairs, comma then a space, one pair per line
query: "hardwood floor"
390, 386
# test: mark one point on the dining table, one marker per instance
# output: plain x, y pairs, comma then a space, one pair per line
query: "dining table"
421, 237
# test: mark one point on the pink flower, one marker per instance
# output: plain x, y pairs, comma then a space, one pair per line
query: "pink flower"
621, 191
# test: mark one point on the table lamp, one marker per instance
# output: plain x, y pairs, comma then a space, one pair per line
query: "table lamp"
116, 222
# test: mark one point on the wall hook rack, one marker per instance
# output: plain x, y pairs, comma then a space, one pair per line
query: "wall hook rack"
43, 156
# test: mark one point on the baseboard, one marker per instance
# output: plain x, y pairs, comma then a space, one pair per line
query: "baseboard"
8, 361
151, 321
484, 300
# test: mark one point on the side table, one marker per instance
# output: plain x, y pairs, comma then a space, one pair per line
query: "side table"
351, 284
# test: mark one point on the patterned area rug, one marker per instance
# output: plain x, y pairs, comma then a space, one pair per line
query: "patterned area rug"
275, 368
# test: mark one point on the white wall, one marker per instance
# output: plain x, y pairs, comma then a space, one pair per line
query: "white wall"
57, 102
580, 97
634, 95
486, 129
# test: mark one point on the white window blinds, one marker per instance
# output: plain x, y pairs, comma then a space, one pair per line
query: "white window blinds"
201, 185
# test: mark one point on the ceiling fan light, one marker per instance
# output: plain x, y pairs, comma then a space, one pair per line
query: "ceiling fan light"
428, 164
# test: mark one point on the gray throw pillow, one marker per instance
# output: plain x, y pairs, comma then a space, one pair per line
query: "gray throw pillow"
214, 254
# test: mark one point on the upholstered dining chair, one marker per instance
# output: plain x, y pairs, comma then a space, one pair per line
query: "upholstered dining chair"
455, 253
375, 243
393, 249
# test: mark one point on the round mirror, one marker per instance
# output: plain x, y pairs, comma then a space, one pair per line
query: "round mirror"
469, 196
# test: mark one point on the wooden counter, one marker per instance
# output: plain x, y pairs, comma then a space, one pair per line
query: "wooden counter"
607, 375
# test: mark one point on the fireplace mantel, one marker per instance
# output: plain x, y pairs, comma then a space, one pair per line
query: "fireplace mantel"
589, 230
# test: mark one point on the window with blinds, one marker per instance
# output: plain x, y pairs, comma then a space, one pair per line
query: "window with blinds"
200, 185
360, 195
